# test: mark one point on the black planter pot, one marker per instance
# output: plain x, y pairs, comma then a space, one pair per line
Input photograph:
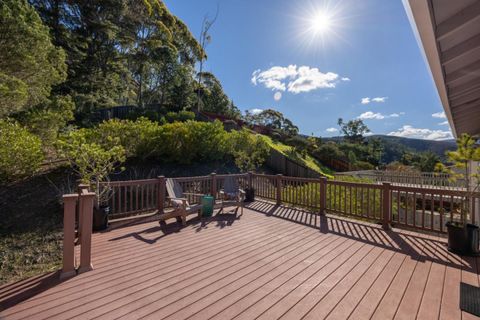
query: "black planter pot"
100, 218
249, 194
473, 239
457, 238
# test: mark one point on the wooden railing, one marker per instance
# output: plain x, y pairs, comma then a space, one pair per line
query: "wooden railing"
413, 179
401, 205
77, 205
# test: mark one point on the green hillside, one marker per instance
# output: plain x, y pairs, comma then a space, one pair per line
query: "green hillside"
307, 161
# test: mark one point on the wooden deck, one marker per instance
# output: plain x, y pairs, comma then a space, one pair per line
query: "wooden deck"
272, 262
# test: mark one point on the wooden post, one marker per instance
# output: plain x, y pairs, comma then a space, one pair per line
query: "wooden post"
82, 188
323, 195
279, 189
214, 185
86, 203
69, 208
161, 194
386, 206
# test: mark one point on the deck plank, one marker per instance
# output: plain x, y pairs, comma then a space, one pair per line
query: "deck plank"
276, 262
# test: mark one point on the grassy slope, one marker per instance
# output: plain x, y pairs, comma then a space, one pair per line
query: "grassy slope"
308, 161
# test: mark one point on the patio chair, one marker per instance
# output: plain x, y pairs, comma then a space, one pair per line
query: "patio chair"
231, 194
181, 207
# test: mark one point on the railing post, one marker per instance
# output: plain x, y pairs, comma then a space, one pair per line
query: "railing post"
82, 188
214, 185
86, 203
161, 194
386, 206
323, 195
69, 208
279, 189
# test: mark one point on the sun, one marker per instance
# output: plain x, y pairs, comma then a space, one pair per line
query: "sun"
321, 22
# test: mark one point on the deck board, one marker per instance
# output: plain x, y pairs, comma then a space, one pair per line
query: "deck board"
273, 262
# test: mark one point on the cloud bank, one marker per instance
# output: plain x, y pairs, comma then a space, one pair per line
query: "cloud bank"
409, 131
295, 79
369, 115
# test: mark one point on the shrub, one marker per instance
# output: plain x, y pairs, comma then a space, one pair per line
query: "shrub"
181, 116
191, 140
20, 151
134, 136
46, 120
91, 161
249, 150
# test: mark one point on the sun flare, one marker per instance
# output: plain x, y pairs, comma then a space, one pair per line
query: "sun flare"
321, 22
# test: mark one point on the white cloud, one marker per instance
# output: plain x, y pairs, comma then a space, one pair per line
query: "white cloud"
256, 111
408, 131
277, 96
367, 100
440, 115
345, 79
295, 79
369, 115
379, 99
444, 123
332, 130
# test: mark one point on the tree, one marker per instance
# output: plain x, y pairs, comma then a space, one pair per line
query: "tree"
466, 154
91, 161
29, 63
353, 130
20, 151
249, 150
274, 120
119, 52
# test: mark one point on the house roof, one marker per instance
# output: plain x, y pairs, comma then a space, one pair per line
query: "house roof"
448, 31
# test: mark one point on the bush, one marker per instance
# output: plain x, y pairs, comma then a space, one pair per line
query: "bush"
181, 116
91, 161
191, 141
134, 136
20, 151
249, 150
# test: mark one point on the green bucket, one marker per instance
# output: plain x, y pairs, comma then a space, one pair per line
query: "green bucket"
207, 206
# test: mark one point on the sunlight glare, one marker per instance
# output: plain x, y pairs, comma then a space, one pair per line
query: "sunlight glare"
321, 22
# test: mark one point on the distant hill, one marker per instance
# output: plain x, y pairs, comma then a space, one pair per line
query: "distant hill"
394, 146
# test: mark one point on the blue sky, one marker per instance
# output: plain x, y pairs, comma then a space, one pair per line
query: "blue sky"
317, 60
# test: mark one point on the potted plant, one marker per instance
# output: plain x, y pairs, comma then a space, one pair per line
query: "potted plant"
249, 151
93, 162
463, 238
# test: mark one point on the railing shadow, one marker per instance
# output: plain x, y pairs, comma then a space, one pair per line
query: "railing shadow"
419, 247
19, 291
220, 220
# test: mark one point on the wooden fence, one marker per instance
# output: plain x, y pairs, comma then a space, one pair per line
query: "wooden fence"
420, 208
281, 163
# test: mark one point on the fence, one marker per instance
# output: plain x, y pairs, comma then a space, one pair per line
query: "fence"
280, 163
413, 179
402, 205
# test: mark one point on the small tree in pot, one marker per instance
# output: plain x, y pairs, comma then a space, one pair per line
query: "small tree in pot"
93, 163
463, 238
249, 151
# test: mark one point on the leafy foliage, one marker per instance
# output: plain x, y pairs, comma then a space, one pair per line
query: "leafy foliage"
91, 161
249, 150
353, 130
274, 120
29, 63
20, 151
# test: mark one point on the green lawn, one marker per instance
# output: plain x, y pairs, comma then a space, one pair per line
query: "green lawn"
307, 161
